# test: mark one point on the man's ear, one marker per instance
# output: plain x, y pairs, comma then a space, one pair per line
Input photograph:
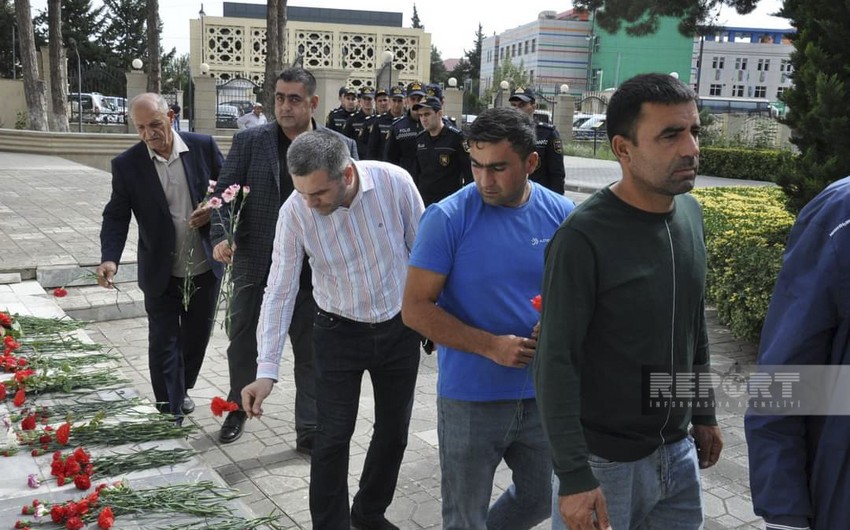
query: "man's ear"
314, 102
621, 147
348, 174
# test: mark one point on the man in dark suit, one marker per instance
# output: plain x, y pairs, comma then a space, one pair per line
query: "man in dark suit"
162, 181
257, 159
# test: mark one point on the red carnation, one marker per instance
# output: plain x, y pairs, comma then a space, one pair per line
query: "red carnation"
20, 397
106, 519
219, 406
82, 456
83, 482
63, 433
28, 423
5, 320
72, 467
2, 391
57, 513
60, 292
537, 302
74, 523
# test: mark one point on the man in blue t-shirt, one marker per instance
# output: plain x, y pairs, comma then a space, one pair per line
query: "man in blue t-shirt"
476, 263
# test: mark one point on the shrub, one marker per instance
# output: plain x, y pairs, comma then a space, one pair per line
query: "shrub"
745, 230
743, 163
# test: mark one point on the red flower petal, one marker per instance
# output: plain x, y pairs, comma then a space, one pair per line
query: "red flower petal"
537, 302
20, 397
63, 433
60, 292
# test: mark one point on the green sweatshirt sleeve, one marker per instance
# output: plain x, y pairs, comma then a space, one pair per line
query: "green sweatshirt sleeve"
569, 293
702, 360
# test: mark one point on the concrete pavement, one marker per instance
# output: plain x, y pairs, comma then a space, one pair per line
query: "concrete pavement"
49, 222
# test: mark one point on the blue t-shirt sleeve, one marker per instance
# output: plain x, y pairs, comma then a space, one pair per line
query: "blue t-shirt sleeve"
434, 247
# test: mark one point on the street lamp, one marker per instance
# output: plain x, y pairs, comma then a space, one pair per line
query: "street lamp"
565, 88
136, 64
674, 75
201, 15
73, 42
504, 85
387, 56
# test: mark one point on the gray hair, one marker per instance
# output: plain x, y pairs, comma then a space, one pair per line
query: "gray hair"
151, 100
319, 150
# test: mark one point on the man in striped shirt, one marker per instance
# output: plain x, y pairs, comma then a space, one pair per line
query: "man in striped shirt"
356, 222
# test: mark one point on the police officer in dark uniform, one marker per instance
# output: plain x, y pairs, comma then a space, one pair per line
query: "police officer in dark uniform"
550, 171
442, 161
401, 140
348, 104
383, 123
433, 90
355, 124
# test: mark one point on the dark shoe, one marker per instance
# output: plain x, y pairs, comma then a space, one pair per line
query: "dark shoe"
231, 429
188, 406
378, 524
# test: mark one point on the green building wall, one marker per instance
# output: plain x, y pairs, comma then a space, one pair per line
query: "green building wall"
620, 56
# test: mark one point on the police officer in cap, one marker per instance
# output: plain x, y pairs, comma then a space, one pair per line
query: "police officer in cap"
401, 140
383, 123
434, 90
347, 105
550, 171
442, 161
357, 122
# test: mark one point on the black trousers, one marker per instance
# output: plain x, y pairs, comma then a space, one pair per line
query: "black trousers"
178, 338
242, 351
343, 350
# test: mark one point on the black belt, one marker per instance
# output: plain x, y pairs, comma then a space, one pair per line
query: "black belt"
357, 323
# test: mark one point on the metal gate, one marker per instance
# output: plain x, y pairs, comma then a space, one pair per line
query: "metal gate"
233, 99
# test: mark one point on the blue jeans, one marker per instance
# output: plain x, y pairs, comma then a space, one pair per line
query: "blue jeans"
659, 492
343, 350
474, 438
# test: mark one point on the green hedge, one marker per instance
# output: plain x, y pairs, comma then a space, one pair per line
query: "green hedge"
745, 229
743, 163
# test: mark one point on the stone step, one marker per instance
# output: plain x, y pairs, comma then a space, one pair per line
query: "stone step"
96, 304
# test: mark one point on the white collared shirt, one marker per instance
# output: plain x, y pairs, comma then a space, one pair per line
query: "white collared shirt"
358, 255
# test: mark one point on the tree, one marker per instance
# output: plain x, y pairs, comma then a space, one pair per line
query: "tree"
414, 21
819, 100
154, 75
33, 86
275, 26
507, 71
7, 33
124, 22
468, 71
175, 72
83, 23
438, 69
641, 16
58, 77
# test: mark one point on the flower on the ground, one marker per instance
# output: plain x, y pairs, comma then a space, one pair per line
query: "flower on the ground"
63, 433
5, 320
82, 481
74, 523
106, 519
537, 302
20, 397
32, 481
28, 423
2, 391
10, 344
220, 405
60, 292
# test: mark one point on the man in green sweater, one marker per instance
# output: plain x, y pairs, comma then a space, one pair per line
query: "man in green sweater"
623, 297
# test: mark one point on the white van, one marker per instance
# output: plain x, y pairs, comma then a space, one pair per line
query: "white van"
96, 109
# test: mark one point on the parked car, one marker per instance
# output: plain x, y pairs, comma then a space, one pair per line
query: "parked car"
593, 127
244, 106
96, 108
225, 116
118, 105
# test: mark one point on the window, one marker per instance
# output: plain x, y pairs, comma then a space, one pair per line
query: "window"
740, 63
738, 91
779, 92
718, 62
763, 65
530, 76
785, 66
533, 45
715, 90
526, 48
760, 92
